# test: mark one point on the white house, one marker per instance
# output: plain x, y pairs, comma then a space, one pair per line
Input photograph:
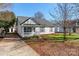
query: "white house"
28, 26
12, 29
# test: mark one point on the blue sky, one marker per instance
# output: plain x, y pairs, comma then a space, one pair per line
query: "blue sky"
28, 9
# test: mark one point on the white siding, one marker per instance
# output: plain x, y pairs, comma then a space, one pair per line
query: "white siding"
37, 30
21, 29
47, 30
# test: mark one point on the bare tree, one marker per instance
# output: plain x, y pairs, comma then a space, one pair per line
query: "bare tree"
39, 15
64, 12
5, 6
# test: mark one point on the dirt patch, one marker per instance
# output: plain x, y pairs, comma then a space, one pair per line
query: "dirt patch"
12, 35
50, 48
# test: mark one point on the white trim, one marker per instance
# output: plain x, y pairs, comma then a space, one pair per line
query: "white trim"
9, 30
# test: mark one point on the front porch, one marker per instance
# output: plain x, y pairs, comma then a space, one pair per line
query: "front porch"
29, 30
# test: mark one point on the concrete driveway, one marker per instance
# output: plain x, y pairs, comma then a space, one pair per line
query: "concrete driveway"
15, 48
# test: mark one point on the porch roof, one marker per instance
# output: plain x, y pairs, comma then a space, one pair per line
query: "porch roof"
34, 25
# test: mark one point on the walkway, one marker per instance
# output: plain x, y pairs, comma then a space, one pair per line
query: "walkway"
11, 47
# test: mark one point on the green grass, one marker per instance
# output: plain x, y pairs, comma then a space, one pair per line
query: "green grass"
59, 36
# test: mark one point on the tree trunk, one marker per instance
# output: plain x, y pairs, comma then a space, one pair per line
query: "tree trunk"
64, 33
65, 18
3, 33
69, 31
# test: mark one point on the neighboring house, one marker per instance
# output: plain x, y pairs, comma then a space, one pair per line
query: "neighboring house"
28, 26
70, 26
12, 29
58, 29
77, 26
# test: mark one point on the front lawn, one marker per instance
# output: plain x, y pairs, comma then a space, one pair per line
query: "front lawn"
59, 36
50, 45
50, 48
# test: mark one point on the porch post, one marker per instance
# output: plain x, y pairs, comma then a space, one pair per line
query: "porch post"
9, 30
13, 29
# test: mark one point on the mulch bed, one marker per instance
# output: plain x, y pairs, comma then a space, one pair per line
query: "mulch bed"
50, 48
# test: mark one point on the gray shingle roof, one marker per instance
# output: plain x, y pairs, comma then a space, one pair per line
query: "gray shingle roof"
22, 19
43, 22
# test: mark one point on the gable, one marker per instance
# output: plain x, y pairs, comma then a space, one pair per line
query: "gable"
29, 22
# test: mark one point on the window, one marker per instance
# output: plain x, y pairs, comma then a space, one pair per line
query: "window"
27, 29
42, 29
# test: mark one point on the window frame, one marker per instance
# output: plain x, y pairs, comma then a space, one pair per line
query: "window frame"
27, 29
